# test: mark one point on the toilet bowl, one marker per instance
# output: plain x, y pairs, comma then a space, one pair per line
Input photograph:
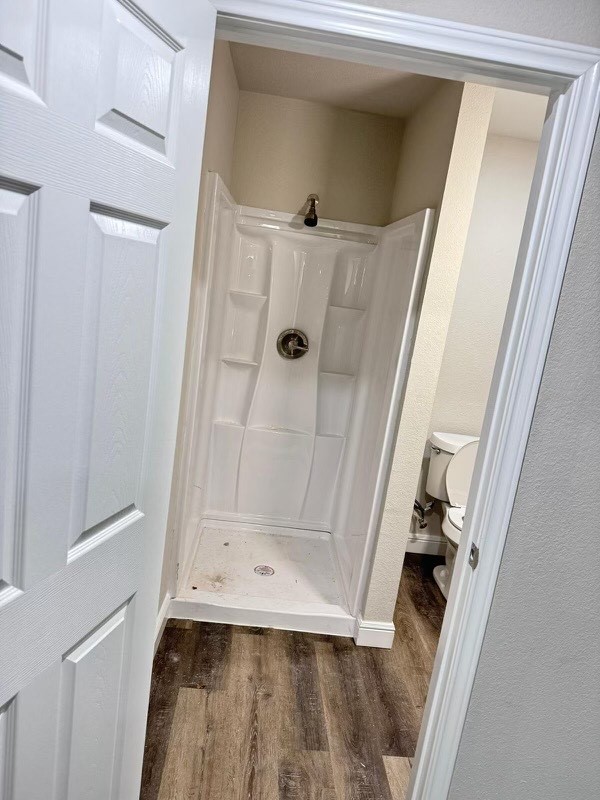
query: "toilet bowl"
449, 480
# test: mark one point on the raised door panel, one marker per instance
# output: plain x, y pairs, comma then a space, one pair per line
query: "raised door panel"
33, 726
69, 721
92, 697
17, 215
40, 333
136, 78
123, 259
21, 46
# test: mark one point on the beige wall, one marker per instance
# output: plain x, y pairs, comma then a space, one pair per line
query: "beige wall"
223, 102
484, 284
453, 224
217, 156
286, 149
425, 153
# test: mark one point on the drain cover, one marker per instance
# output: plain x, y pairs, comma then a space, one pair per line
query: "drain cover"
264, 569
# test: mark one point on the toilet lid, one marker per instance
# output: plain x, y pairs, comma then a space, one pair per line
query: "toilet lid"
459, 474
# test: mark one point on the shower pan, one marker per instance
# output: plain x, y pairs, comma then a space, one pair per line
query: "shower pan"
298, 368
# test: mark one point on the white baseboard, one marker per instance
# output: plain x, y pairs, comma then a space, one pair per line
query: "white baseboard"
161, 620
373, 633
426, 545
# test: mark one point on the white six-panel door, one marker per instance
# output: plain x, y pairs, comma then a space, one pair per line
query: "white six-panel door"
102, 115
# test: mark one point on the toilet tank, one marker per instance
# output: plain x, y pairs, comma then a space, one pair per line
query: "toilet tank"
443, 447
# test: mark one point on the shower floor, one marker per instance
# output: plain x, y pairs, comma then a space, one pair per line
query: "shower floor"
302, 593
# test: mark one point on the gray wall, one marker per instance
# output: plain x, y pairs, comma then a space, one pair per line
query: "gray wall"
566, 20
533, 725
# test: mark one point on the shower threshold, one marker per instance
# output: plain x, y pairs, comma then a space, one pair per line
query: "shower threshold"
265, 577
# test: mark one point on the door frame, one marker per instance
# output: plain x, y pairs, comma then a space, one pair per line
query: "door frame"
570, 74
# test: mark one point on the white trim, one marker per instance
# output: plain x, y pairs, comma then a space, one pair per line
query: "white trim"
161, 620
383, 36
333, 622
426, 545
465, 52
374, 633
565, 151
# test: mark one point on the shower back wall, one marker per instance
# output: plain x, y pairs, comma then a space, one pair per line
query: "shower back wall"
278, 426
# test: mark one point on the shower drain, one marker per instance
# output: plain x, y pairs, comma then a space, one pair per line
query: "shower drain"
264, 569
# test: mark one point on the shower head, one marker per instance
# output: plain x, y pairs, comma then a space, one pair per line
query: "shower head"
310, 218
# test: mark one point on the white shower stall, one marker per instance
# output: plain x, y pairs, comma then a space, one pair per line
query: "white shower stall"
286, 459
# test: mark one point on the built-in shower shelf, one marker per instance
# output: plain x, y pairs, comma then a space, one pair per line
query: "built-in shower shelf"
259, 298
350, 309
349, 375
239, 362
268, 429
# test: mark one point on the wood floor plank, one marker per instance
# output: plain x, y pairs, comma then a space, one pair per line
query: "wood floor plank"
306, 775
307, 691
170, 665
231, 743
210, 656
409, 658
423, 594
392, 705
182, 773
398, 773
278, 731
353, 734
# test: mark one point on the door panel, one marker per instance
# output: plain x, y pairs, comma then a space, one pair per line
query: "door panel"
91, 705
122, 268
21, 59
137, 77
97, 222
18, 208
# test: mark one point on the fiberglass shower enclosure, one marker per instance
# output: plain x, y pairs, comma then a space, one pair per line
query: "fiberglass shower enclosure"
287, 458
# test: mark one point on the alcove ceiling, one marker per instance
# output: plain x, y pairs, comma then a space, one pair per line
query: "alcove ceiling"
345, 84
374, 90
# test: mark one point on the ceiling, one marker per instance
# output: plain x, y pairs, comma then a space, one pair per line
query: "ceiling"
358, 87
374, 90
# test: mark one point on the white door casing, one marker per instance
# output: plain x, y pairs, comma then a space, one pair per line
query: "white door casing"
102, 114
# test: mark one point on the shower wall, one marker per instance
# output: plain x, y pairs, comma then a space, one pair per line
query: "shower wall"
277, 428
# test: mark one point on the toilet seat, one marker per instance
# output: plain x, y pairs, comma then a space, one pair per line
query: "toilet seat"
455, 516
458, 483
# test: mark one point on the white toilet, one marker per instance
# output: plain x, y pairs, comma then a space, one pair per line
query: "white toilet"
449, 479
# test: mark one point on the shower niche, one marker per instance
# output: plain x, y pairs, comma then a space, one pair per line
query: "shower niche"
285, 456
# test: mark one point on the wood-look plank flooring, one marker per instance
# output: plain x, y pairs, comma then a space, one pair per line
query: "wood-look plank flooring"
260, 714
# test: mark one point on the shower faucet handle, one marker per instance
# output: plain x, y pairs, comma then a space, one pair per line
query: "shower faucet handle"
292, 343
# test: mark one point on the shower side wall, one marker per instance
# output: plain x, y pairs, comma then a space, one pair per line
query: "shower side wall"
400, 263
217, 247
